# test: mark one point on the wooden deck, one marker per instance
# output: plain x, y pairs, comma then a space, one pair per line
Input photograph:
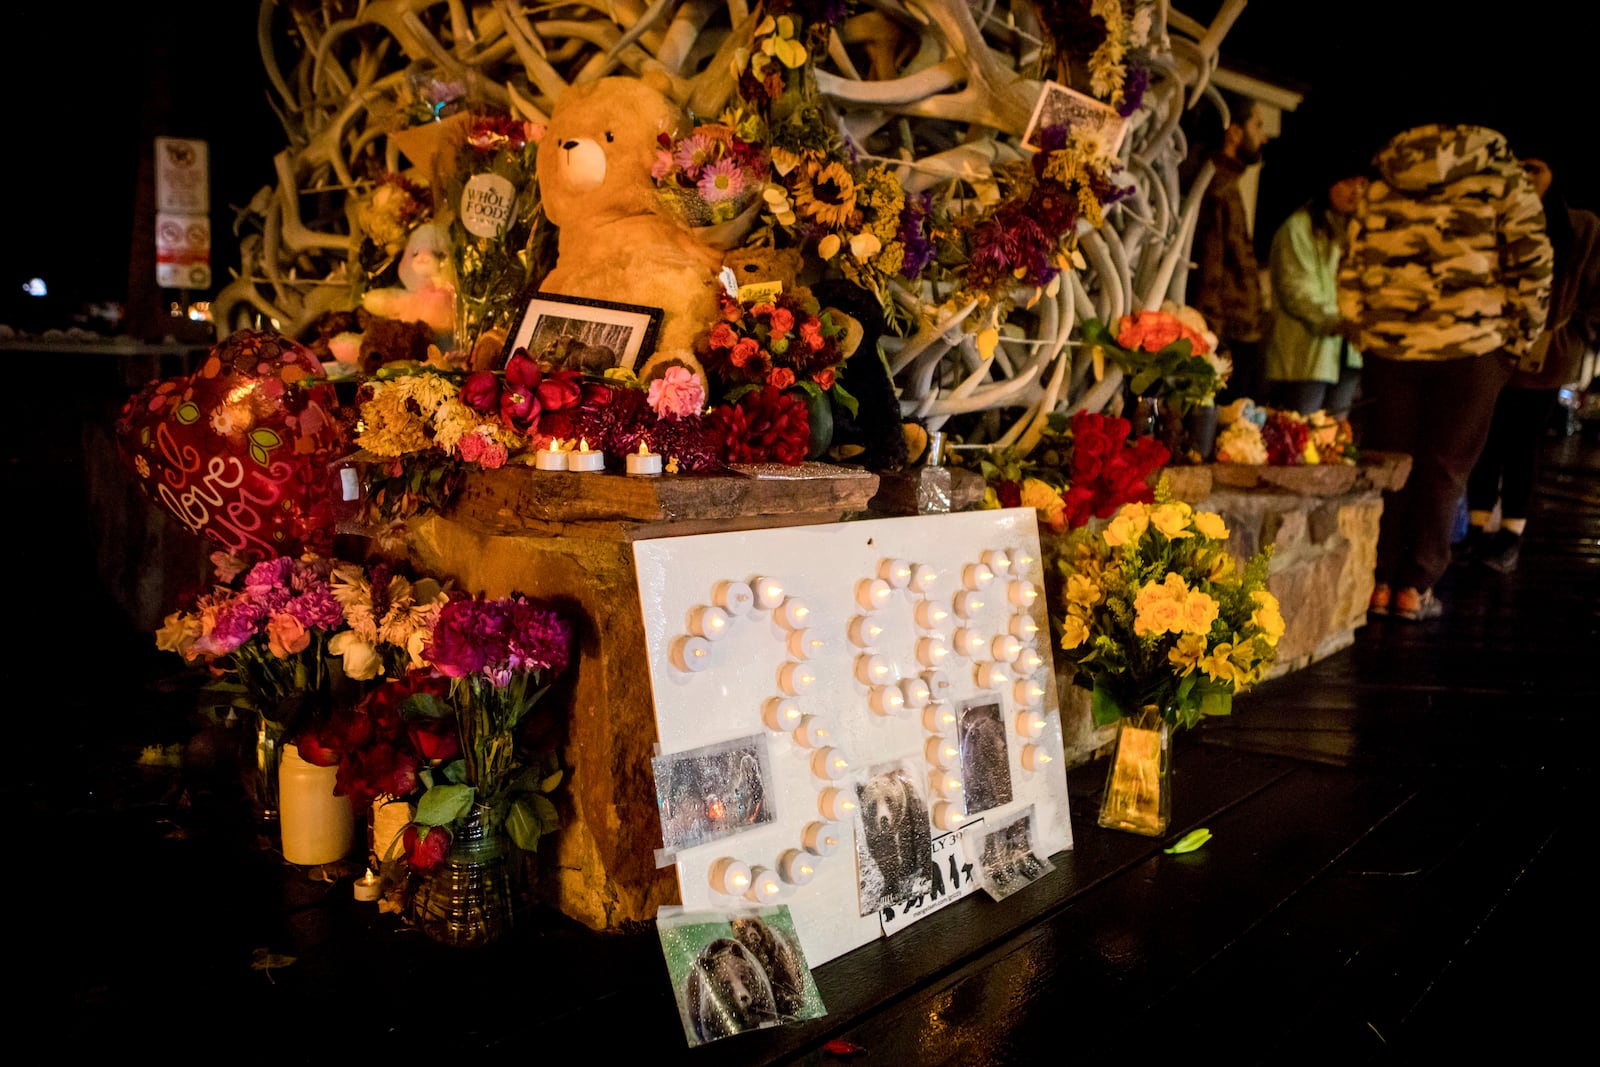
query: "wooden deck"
1394, 876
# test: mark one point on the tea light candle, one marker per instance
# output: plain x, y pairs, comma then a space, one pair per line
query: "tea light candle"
730, 876
864, 632
922, 578
1027, 693
941, 751
1005, 647
780, 713
708, 622
931, 651
829, 763
937, 717
644, 461
812, 732
835, 804
802, 645
897, 572
991, 675
764, 886
931, 616
368, 887
769, 593
1034, 757
1030, 724
872, 670
819, 840
945, 784
915, 691
792, 613
735, 598
553, 458
1022, 594
996, 560
584, 458
938, 684
971, 643
947, 816
796, 678
1023, 628
887, 700
967, 603
1029, 661
976, 575
873, 593
795, 867
1021, 561
691, 653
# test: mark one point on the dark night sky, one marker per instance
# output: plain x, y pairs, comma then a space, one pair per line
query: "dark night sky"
189, 68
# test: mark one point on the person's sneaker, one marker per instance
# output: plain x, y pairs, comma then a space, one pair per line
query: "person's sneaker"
1414, 606
1502, 553
1379, 604
1471, 547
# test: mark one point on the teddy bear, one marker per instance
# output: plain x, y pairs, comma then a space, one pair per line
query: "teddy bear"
425, 293
617, 240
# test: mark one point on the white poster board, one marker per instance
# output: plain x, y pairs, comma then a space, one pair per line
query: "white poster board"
817, 683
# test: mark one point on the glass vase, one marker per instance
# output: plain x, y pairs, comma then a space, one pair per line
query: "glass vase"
469, 900
262, 756
1138, 795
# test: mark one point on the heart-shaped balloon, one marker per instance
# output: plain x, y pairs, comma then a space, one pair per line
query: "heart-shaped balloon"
241, 451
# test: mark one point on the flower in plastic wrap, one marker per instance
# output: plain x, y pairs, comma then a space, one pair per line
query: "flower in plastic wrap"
1240, 442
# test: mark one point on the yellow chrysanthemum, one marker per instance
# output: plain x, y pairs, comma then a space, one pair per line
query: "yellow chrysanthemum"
1210, 524
1185, 655
1074, 632
1172, 519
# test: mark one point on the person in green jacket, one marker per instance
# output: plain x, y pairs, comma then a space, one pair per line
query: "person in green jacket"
1311, 365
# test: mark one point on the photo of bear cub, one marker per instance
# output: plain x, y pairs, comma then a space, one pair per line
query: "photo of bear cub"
754, 979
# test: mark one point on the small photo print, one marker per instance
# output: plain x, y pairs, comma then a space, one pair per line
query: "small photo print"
737, 972
1007, 858
985, 760
1081, 114
712, 792
591, 336
894, 838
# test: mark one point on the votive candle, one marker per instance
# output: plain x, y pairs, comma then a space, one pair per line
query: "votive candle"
583, 458
644, 461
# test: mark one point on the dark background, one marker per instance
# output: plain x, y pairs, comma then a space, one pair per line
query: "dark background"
90, 88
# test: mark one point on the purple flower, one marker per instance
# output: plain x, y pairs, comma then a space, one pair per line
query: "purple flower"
236, 623
317, 609
269, 576
1133, 89
914, 236
497, 638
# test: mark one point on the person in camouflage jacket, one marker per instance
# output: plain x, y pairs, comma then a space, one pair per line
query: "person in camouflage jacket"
1447, 278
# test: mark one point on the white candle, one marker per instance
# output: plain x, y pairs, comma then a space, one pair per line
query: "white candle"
780, 713
941, 751
769, 593
1029, 661
835, 804
553, 458
735, 598
811, 732
931, 651
971, 643
708, 622
802, 645
996, 561
1022, 594
1027, 693
585, 459
931, 616
1034, 757
1021, 561
368, 887
792, 613
937, 717
1023, 628
887, 700
873, 593
795, 867
915, 691
967, 603
976, 575
730, 876
1030, 724
796, 678
872, 670
947, 816
938, 684
691, 653
897, 572
991, 675
864, 631
829, 763
1005, 647
819, 840
922, 578
644, 461
765, 888
945, 784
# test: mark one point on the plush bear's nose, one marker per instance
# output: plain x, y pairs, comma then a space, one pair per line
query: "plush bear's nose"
569, 145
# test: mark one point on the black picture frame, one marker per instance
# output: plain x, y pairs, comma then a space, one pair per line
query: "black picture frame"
628, 332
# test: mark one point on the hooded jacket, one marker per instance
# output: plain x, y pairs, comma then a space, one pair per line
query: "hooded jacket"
1448, 257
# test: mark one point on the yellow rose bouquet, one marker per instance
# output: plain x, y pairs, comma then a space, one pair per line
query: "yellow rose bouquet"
1159, 618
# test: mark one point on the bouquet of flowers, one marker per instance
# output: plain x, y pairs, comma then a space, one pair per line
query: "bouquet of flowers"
783, 341
383, 743
499, 656
1159, 620
1258, 435
1168, 354
709, 176
1102, 469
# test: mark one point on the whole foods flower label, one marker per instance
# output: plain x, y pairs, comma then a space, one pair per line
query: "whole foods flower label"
486, 204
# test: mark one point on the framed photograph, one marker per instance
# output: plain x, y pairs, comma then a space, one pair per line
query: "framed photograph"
1081, 114
1007, 857
713, 792
894, 837
592, 336
735, 973
985, 761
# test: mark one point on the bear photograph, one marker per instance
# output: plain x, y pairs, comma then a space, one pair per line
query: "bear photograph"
894, 839
985, 761
1007, 858
591, 336
731, 975
711, 792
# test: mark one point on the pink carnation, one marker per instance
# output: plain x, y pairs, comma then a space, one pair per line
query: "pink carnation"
677, 394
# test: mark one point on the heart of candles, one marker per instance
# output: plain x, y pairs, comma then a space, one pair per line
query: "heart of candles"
941, 751
864, 632
735, 598
967, 603
937, 717
897, 572
1023, 628
764, 886
811, 732
691, 653
769, 592
931, 616
991, 675
708, 622
1027, 693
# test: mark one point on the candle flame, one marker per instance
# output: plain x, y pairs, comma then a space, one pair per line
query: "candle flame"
583, 444
644, 449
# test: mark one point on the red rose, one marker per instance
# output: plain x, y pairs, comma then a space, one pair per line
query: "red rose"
744, 351
1010, 494
1161, 332
782, 321
481, 391
402, 780
722, 336
780, 377
435, 739
732, 310
314, 750
811, 334
1080, 505
824, 377
428, 850
560, 390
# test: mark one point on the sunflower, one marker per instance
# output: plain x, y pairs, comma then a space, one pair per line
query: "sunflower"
827, 195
